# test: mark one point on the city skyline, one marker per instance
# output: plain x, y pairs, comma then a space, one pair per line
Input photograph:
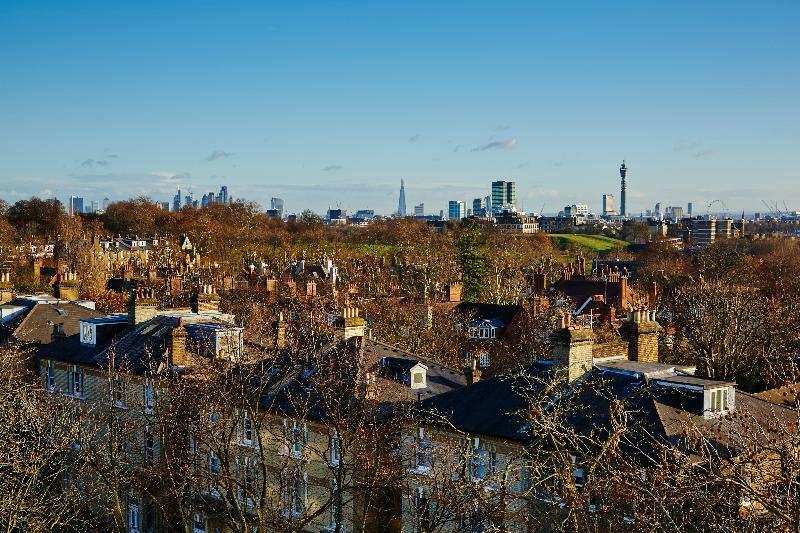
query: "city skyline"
304, 105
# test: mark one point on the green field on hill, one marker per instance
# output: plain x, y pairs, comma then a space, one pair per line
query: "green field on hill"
595, 243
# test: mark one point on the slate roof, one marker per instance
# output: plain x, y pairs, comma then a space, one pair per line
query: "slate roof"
484, 311
492, 407
656, 410
139, 349
439, 379
289, 387
581, 289
35, 325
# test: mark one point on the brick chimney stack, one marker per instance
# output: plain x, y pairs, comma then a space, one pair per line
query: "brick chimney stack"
572, 347
350, 324
127, 272
67, 286
453, 291
6, 288
472, 372
311, 288
142, 305
280, 332
652, 294
37, 269
641, 331
205, 299
178, 354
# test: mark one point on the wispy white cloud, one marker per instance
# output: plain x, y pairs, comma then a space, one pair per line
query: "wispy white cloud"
506, 144
695, 148
218, 154
89, 163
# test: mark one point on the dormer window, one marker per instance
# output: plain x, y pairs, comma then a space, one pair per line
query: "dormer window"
419, 376
720, 400
87, 333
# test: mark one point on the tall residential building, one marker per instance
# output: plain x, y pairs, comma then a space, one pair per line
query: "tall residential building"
401, 203
504, 195
623, 174
75, 205
608, 205
277, 205
419, 210
456, 210
479, 207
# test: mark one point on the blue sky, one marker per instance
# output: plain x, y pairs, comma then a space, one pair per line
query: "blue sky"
326, 103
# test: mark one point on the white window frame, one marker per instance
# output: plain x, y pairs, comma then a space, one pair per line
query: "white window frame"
334, 503
247, 428
134, 518
118, 392
295, 497
76, 378
335, 450
51, 376
149, 396
423, 454
484, 360
719, 399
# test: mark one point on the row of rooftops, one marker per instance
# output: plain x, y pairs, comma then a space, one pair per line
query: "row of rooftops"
667, 394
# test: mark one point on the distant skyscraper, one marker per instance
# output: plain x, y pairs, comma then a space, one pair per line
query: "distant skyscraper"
456, 210
164, 206
401, 203
419, 210
75, 205
504, 195
608, 205
188, 201
223, 195
479, 207
176, 201
689, 209
106, 201
277, 205
623, 174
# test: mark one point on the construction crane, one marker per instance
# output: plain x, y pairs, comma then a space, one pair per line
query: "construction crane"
711, 204
773, 207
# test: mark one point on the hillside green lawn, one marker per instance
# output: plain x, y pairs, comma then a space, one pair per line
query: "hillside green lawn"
595, 243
